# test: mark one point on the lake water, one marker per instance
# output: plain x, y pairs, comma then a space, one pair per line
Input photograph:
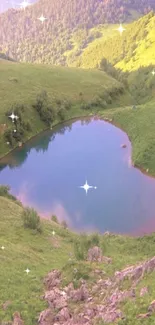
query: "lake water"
47, 172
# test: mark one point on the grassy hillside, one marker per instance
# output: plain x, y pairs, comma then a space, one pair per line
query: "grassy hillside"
135, 48
42, 252
68, 90
139, 124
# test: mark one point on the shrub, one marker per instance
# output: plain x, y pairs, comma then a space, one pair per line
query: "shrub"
61, 114
8, 135
64, 224
55, 219
31, 219
4, 191
82, 245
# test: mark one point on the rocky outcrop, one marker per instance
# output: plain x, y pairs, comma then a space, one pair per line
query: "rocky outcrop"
53, 279
95, 255
100, 302
17, 319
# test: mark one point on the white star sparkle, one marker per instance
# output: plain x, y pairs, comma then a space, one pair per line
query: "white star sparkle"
120, 29
27, 271
86, 187
2, 247
13, 117
153, 72
14, 130
42, 18
24, 4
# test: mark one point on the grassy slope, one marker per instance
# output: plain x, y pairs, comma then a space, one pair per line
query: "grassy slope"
139, 124
139, 34
59, 82
24, 248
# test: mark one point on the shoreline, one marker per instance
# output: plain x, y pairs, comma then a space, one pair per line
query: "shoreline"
42, 131
90, 115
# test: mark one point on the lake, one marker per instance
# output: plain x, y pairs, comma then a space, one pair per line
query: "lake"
47, 172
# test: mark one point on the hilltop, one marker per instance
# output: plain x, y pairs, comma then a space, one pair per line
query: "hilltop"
93, 281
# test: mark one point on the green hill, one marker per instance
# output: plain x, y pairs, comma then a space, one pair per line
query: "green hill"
135, 48
70, 92
66, 251
69, 26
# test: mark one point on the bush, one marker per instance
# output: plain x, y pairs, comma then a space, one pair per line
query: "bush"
61, 114
31, 219
64, 224
55, 219
4, 191
82, 245
8, 135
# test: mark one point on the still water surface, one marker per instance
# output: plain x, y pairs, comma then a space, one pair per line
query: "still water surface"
47, 172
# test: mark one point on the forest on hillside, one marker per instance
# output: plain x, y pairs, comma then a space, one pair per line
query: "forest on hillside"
24, 38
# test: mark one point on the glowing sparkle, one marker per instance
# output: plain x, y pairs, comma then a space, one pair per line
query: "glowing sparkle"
13, 117
24, 4
86, 187
14, 130
53, 233
153, 72
120, 29
42, 18
27, 271
3, 247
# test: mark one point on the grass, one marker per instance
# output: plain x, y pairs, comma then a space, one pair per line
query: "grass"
25, 248
20, 83
139, 124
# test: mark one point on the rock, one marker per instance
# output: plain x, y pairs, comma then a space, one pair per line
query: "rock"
143, 291
56, 298
53, 279
112, 315
123, 145
80, 294
119, 296
147, 170
46, 317
60, 303
94, 254
6, 304
151, 308
106, 259
17, 319
142, 316
63, 315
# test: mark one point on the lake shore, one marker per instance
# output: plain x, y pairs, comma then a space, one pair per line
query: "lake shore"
4, 159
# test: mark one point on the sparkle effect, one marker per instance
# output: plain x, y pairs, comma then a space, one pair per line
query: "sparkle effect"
24, 4
120, 29
86, 187
153, 72
27, 271
53, 233
42, 18
13, 117
2, 247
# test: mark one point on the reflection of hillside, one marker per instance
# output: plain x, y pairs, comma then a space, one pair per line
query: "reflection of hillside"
39, 143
